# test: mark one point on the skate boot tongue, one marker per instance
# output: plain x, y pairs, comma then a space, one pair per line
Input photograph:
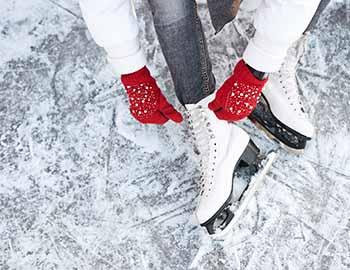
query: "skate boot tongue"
201, 104
205, 101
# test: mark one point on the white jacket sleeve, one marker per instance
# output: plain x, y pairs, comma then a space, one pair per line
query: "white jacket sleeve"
113, 26
278, 24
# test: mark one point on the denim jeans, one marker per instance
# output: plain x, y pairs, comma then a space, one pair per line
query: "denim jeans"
184, 46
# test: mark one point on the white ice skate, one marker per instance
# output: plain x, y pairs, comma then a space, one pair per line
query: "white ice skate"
280, 112
223, 148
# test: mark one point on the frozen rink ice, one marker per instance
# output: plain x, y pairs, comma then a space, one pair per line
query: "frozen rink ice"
83, 186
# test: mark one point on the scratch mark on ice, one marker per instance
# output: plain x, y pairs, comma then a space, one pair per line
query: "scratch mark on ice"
66, 9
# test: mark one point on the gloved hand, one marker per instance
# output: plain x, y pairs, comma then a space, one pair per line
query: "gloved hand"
238, 96
147, 103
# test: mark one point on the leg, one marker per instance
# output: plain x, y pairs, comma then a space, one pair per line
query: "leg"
183, 43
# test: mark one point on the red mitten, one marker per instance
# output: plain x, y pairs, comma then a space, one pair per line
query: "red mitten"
239, 94
147, 103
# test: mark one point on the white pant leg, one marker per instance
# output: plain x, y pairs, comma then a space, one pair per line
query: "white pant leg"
113, 26
278, 24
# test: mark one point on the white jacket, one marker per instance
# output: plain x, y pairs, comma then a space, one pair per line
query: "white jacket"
278, 23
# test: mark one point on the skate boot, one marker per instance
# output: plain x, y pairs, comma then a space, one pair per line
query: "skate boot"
223, 148
280, 112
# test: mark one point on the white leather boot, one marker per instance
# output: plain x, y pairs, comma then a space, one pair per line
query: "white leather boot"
223, 148
280, 112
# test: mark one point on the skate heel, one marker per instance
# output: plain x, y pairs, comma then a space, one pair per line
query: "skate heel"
250, 155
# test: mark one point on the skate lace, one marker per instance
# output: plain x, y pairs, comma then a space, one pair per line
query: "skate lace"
206, 144
287, 79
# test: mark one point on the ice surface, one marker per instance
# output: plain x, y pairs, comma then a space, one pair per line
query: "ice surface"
83, 186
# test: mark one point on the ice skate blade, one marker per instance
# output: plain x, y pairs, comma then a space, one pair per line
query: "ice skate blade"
253, 186
272, 137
